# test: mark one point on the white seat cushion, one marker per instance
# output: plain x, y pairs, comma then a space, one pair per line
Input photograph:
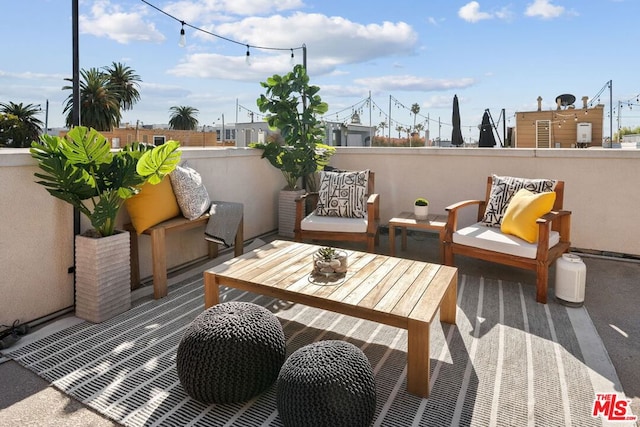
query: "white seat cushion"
313, 222
479, 235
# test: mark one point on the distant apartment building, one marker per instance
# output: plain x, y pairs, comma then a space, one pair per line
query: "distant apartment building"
563, 127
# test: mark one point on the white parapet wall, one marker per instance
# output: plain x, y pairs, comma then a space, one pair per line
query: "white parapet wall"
36, 230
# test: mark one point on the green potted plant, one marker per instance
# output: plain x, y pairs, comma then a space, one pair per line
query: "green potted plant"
293, 107
421, 208
82, 170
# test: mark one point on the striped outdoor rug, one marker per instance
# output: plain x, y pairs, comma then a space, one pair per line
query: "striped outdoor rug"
509, 361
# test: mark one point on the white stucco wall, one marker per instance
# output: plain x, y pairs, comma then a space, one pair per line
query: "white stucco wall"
36, 230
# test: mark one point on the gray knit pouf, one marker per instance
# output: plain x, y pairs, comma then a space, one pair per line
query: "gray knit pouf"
327, 383
230, 353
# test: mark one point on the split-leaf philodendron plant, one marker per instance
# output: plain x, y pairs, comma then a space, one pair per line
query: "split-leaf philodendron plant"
82, 170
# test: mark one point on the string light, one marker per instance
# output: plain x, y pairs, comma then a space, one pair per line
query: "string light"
248, 57
185, 24
183, 39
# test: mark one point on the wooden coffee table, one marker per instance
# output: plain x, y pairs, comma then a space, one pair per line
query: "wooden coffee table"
408, 220
398, 292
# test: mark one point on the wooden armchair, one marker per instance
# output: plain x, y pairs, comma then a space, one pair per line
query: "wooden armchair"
340, 229
490, 244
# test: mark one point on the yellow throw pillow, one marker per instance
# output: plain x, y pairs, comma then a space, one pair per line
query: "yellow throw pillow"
152, 205
522, 212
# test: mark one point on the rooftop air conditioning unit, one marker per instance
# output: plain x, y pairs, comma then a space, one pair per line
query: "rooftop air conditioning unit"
584, 133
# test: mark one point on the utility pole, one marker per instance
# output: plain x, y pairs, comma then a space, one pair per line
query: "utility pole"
370, 123
223, 134
389, 119
611, 114
46, 118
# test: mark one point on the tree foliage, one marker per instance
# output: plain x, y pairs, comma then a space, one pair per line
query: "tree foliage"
125, 82
103, 94
183, 118
626, 131
19, 124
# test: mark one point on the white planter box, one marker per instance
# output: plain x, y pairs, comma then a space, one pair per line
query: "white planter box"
103, 277
287, 211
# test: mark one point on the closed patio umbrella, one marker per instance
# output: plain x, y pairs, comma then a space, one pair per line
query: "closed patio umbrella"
486, 133
456, 133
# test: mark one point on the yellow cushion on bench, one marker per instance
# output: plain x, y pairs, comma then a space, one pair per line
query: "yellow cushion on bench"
522, 212
152, 205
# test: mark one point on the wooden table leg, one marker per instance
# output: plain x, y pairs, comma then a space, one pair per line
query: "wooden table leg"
404, 238
442, 245
238, 246
418, 358
211, 290
392, 240
448, 306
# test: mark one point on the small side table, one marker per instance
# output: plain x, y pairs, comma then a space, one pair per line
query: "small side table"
408, 220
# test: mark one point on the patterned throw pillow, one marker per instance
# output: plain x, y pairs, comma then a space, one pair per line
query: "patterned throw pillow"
191, 194
343, 194
502, 190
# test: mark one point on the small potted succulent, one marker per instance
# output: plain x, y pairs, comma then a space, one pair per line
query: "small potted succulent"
421, 208
329, 261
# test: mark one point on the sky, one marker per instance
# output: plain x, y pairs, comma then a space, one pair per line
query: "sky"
494, 54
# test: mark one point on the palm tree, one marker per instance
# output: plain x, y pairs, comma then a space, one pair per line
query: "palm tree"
418, 128
382, 126
415, 109
28, 126
126, 82
183, 118
99, 101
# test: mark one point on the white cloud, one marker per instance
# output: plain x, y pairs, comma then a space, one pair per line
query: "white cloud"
436, 22
332, 39
331, 42
216, 66
412, 83
197, 11
470, 12
107, 20
29, 75
544, 9
505, 14
439, 101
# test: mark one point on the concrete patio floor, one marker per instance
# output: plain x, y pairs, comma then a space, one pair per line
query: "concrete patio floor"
612, 300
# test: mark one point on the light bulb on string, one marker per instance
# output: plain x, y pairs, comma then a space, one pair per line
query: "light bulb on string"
248, 57
292, 60
182, 42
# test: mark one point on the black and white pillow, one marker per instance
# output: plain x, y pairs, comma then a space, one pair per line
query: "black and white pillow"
343, 194
502, 190
191, 194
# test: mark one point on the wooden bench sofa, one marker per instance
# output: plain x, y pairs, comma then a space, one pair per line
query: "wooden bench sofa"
159, 247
